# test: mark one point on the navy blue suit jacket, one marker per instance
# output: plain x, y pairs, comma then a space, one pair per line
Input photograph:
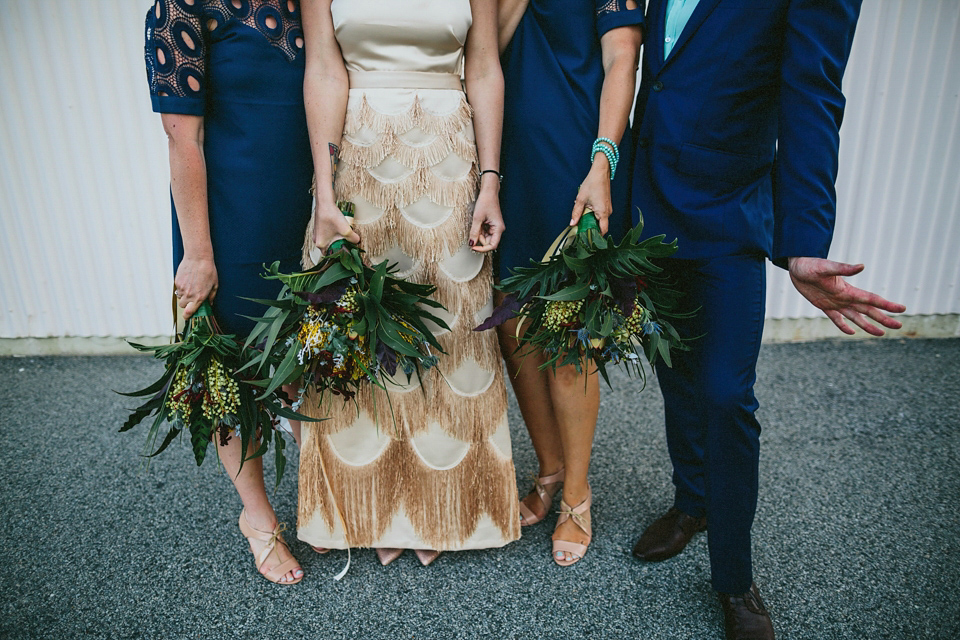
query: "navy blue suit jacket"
737, 131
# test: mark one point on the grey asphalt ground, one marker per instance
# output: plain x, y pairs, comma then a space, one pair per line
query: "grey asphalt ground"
857, 533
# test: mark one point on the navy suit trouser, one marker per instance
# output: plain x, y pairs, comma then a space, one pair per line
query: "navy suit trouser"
712, 434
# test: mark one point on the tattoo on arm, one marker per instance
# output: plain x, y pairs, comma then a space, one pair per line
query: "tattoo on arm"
334, 161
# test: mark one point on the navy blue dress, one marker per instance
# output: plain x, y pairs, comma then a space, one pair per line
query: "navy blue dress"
241, 68
553, 73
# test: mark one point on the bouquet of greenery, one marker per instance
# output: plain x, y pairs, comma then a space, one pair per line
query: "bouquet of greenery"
591, 299
342, 324
202, 392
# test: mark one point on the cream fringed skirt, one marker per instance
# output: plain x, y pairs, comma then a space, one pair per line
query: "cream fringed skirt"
436, 472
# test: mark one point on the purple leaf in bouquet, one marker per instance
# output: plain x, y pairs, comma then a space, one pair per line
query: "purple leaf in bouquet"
326, 295
507, 309
387, 358
624, 291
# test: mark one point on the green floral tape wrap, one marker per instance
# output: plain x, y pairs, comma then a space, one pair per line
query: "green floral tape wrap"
204, 310
346, 208
587, 222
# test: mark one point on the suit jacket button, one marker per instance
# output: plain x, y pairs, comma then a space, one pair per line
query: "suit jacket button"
658, 86
643, 143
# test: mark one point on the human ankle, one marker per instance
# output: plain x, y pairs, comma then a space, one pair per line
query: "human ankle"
260, 518
574, 494
549, 468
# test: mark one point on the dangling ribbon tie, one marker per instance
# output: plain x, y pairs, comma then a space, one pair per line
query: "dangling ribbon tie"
272, 542
576, 517
541, 490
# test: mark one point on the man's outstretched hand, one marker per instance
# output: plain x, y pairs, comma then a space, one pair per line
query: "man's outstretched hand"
821, 282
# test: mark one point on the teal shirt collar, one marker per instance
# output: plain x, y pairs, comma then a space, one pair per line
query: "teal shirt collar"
678, 14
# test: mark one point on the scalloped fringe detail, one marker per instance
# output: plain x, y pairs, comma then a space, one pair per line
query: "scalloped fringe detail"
401, 413
444, 506
440, 124
368, 495
416, 157
463, 299
405, 414
468, 418
357, 181
463, 343
424, 244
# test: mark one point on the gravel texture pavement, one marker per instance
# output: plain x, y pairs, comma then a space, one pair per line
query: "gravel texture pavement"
857, 532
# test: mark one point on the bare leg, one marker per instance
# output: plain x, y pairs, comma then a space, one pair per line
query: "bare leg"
576, 403
533, 395
291, 391
253, 494
560, 411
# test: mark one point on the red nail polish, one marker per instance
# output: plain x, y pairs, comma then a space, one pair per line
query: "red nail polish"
471, 243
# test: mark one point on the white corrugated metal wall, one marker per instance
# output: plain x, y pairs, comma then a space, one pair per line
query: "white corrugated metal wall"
84, 205
899, 184
84, 215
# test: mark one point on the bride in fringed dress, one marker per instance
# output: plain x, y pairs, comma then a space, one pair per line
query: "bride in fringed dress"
420, 163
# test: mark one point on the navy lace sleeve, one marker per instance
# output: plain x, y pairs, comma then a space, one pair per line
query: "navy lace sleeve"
175, 55
614, 13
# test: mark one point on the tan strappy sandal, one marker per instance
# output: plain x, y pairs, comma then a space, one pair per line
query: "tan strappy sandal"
528, 517
581, 516
272, 539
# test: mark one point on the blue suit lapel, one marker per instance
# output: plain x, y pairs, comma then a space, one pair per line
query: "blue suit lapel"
704, 9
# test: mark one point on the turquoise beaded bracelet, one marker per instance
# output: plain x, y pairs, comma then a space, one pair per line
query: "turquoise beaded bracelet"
612, 145
613, 156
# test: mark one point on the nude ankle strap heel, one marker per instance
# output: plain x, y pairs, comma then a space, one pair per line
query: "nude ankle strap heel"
528, 517
272, 538
581, 516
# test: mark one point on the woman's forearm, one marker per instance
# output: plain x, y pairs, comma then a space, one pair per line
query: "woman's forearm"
325, 90
484, 84
188, 183
621, 55
486, 97
326, 87
620, 49
620, 58
325, 98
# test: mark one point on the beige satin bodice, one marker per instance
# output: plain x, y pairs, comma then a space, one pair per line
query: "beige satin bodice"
402, 35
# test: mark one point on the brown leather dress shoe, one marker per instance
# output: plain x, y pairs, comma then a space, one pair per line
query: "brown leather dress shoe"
668, 535
745, 617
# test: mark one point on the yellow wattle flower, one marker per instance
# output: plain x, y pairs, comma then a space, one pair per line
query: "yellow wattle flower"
560, 313
637, 319
348, 301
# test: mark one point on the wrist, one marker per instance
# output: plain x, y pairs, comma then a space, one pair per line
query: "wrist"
605, 148
325, 203
488, 176
490, 182
323, 191
199, 254
601, 165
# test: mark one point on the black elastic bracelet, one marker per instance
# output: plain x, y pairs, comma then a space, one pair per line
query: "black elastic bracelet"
499, 177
